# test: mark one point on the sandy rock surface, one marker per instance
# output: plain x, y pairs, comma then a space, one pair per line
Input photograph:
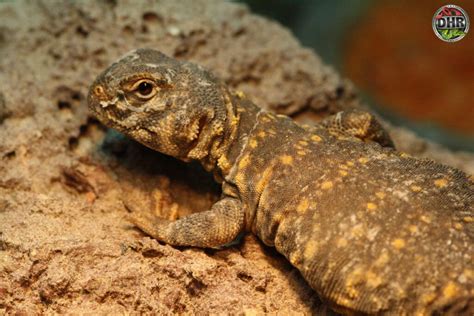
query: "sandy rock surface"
67, 183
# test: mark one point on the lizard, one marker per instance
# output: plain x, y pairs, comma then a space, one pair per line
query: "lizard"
372, 230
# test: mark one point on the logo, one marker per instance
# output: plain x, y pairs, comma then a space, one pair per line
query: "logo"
450, 23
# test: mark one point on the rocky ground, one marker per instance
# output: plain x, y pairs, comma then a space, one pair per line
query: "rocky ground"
66, 181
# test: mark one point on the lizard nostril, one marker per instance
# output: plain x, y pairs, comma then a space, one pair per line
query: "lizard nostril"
99, 92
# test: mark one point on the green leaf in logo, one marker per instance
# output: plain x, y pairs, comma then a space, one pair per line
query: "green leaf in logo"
450, 34
457, 32
446, 34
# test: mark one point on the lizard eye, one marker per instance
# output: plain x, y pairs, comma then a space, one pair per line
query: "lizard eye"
144, 89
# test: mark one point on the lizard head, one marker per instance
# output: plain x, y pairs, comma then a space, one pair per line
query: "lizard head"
174, 107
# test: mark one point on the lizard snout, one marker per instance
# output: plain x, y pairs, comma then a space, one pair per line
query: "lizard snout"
98, 96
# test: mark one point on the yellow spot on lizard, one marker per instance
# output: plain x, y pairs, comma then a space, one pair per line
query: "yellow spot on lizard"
371, 206
428, 298
468, 219
354, 278
373, 280
240, 94
425, 219
398, 243
310, 249
223, 163
316, 138
326, 185
450, 290
357, 231
244, 162
343, 173
413, 229
235, 121
341, 242
441, 183
262, 134
253, 143
382, 260
302, 206
380, 195
415, 188
286, 159
468, 273
295, 258
363, 160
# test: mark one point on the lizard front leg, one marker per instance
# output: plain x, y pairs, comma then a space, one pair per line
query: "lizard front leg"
359, 124
213, 228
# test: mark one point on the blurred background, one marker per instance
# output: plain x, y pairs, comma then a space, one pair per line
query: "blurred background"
389, 50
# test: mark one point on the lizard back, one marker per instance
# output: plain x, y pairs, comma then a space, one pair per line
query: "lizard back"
365, 225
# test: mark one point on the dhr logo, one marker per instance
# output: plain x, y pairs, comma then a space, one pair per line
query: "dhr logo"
450, 23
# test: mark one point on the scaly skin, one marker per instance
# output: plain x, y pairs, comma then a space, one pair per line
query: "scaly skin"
372, 230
